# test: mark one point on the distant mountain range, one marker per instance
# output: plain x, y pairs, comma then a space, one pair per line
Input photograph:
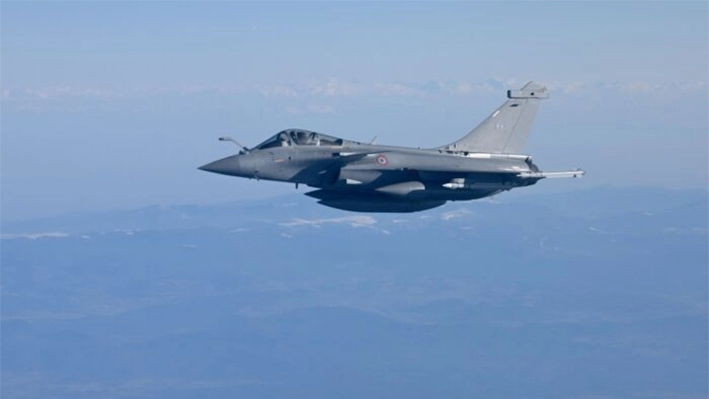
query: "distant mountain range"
597, 293
591, 205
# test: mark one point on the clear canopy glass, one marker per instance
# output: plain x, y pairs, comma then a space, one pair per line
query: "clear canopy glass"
299, 137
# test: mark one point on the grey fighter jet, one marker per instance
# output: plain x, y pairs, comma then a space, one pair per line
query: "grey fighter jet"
364, 177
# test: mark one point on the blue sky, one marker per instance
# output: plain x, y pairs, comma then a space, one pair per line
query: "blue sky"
113, 105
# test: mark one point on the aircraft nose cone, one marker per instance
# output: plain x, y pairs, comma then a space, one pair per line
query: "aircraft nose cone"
225, 166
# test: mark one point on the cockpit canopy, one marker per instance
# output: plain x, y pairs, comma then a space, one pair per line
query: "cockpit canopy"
299, 137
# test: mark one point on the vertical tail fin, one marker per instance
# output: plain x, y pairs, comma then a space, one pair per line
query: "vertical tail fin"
506, 130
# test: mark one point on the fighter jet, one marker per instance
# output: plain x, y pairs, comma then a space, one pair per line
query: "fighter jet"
366, 177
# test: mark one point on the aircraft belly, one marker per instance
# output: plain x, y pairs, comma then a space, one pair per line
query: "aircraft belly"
364, 201
378, 206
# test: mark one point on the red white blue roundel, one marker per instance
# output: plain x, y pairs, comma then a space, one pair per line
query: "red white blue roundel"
382, 160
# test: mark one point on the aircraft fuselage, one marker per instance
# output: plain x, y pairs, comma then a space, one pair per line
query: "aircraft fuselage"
376, 178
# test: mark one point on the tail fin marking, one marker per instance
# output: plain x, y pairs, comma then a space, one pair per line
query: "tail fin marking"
506, 130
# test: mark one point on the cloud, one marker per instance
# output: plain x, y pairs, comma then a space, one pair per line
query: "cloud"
650, 87
277, 91
455, 214
315, 97
638, 87
335, 87
70, 91
35, 236
452, 87
354, 221
193, 89
573, 87
396, 89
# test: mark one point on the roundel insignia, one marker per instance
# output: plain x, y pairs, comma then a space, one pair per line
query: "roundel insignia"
381, 160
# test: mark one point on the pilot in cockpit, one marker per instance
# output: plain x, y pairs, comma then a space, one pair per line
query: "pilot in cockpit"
285, 142
304, 138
